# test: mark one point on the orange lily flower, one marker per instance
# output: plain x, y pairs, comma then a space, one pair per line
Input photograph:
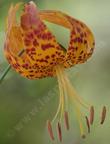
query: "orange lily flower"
32, 50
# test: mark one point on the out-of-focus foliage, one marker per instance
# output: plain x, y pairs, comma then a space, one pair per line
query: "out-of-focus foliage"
25, 105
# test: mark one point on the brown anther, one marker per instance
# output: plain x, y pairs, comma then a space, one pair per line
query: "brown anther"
66, 120
91, 115
50, 130
103, 115
83, 136
88, 124
59, 132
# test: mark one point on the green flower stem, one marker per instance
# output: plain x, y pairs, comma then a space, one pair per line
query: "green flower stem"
5, 73
8, 68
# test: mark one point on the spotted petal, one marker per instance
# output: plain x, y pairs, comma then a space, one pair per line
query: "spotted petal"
41, 51
81, 43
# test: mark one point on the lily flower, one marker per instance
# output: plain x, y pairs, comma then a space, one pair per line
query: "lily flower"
33, 51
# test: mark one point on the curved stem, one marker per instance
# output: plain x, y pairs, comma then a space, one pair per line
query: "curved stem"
5, 73
8, 68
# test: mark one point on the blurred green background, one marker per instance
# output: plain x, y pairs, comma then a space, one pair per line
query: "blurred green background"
25, 105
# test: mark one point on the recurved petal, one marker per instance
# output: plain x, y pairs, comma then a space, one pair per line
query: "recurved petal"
82, 42
21, 63
41, 51
11, 19
40, 44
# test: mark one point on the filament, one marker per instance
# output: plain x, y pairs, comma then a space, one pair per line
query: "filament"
61, 73
78, 98
61, 101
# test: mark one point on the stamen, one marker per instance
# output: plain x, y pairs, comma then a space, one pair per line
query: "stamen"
88, 125
91, 115
103, 115
50, 130
73, 95
78, 112
66, 120
66, 88
59, 132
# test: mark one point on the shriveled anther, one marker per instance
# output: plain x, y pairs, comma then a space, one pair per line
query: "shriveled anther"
59, 132
66, 118
88, 124
103, 115
50, 130
91, 115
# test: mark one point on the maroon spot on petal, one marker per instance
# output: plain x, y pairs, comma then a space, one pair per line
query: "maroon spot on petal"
33, 49
27, 42
53, 56
35, 43
81, 25
79, 40
81, 52
25, 66
30, 36
77, 21
46, 46
73, 33
9, 58
71, 48
82, 35
20, 71
75, 40
85, 41
49, 36
74, 57
31, 71
39, 54
78, 29
85, 34
36, 31
51, 63
47, 57
76, 48
16, 65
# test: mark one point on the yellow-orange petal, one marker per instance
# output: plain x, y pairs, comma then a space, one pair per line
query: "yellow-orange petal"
40, 44
41, 51
11, 19
82, 42
22, 64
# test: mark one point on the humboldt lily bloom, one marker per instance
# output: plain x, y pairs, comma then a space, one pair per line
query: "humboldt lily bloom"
32, 50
